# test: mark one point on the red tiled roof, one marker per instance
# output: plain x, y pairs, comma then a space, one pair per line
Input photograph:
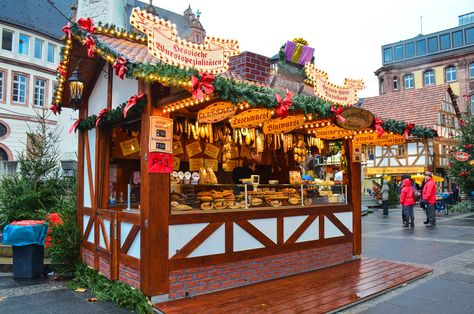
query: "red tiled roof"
418, 106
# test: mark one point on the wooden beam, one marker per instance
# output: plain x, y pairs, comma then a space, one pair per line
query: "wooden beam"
356, 199
129, 239
198, 239
254, 232
302, 228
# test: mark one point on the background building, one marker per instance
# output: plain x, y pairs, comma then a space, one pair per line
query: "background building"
443, 57
30, 44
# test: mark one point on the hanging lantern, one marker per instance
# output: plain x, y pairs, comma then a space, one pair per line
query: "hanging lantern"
76, 86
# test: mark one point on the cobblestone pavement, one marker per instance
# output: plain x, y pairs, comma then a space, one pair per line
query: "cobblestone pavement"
447, 248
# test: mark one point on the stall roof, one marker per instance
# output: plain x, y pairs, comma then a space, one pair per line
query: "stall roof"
419, 106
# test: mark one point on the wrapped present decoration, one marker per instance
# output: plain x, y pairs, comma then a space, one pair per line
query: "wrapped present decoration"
297, 53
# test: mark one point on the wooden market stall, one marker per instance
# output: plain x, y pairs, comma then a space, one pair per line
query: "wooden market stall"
159, 137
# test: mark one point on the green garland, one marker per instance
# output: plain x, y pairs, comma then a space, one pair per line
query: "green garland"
227, 89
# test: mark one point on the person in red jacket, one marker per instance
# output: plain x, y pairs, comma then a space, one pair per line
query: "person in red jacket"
429, 196
407, 200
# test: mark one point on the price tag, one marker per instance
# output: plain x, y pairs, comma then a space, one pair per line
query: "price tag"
160, 163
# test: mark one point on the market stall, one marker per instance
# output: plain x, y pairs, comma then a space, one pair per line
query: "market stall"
166, 200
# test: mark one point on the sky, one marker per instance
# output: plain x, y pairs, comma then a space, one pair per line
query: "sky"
347, 35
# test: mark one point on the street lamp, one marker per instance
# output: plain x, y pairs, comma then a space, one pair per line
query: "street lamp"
76, 86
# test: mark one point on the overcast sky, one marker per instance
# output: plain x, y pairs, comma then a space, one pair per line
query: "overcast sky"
347, 35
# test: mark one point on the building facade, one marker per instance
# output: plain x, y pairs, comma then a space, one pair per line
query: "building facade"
444, 57
30, 44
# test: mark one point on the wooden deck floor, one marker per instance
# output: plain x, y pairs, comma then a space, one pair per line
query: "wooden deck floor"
318, 291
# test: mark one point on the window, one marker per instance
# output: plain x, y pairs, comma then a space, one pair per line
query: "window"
7, 40
23, 44
40, 92
3, 130
451, 74
395, 83
197, 38
453, 121
2, 85
381, 86
3, 154
38, 48
444, 41
399, 52
457, 39
429, 77
409, 81
470, 35
401, 151
19, 88
421, 47
472, 104
409, 50
387, 55
432, 44
51, 52
371, 152
471, 70
443, 119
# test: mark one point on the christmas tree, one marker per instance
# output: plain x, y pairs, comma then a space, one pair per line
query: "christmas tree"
461, 166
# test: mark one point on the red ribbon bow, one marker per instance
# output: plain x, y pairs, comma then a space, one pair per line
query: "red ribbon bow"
90, 43
61, 70
74, 126
86, 24
67, 30
461, 122
284, 105
202, 87
119, 66
55, 109
131, 102
407, 129
378, 126
100, 115
337, 113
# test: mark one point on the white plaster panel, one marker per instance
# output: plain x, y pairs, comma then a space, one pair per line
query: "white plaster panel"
87, 194
107, 233
98, 97
421, 161
393, 162
330, 230
179, 235
411, 148
122, 90
411, 159
215, 244
125, 228
134, 249
311, 233
92, 140
85, 221
266, 226
346, 219
244, 241
290, 224
90, 238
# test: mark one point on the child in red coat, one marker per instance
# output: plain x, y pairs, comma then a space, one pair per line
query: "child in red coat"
407, 200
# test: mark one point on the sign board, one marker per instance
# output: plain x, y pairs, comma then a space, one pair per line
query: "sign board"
163, 43
355, 119
130, 146
283, 125
211, 150
394, 170
216, 112
212, 163
229, 165
177, 147
250, 118
336, 94
461, 156
194, 148
161, 135
176, 163
373, 139
160, 163
332, 132
195, 164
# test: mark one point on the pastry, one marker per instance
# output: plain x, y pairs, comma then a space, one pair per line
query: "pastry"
234, 205
206, 198
294, 200
220, 205
256, 201
275, 203
207, 206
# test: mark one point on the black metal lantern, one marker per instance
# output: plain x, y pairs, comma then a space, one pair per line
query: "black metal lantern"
76, 86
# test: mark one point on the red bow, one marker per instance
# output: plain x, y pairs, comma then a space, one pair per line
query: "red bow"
337, 113
464, 174
468, 146
100, 115
131, 102
461, 122
87, 24
74, 126
90, 43
202, 87
119, 66
55, 109
407, 129
67, 30
284, 105
61, 70
378, 126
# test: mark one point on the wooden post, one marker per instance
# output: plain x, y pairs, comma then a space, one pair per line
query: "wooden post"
356, 200
154, 202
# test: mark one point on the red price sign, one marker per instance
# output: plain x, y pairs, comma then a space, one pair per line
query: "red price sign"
160, 163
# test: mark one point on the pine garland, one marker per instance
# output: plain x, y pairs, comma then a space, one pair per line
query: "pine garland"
226, 89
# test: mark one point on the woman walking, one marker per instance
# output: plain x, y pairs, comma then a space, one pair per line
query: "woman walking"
407, 200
